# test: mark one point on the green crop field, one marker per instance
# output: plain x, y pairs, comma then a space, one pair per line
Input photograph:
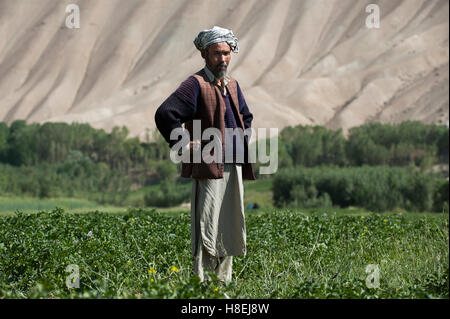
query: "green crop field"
139, 253
86, 213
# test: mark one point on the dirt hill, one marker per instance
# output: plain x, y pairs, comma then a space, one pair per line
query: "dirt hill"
300, 61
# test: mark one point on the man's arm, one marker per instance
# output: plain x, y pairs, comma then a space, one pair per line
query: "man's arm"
178, 108
243, 109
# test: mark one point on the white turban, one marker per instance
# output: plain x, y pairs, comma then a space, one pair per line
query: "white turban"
215, 35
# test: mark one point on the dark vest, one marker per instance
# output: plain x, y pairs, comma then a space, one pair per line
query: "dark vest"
211, 113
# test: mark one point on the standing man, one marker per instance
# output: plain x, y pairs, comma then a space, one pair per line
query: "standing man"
214, 99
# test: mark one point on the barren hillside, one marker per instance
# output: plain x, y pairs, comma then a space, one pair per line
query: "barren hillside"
300, 61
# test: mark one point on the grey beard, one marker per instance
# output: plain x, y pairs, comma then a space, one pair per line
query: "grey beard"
221, 74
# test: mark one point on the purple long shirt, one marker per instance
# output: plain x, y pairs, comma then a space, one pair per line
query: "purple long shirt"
181, 106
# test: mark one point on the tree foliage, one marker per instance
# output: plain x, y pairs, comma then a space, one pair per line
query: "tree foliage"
409, 142
377, 188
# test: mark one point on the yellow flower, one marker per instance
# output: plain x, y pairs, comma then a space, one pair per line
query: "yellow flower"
362, 234
152, 271
362, 217
216, 289
152, 280
385, 220
174, 269
132, 219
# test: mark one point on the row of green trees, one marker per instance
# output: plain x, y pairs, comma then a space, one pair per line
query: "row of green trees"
59, 159
409, 142
33, 144
79, 178
377, 188
371, 144
77, 160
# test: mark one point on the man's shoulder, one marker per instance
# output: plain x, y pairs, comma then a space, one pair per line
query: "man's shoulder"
200, 72
188, 88
200, 76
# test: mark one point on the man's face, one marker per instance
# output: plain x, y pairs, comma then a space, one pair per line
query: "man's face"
217, 57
